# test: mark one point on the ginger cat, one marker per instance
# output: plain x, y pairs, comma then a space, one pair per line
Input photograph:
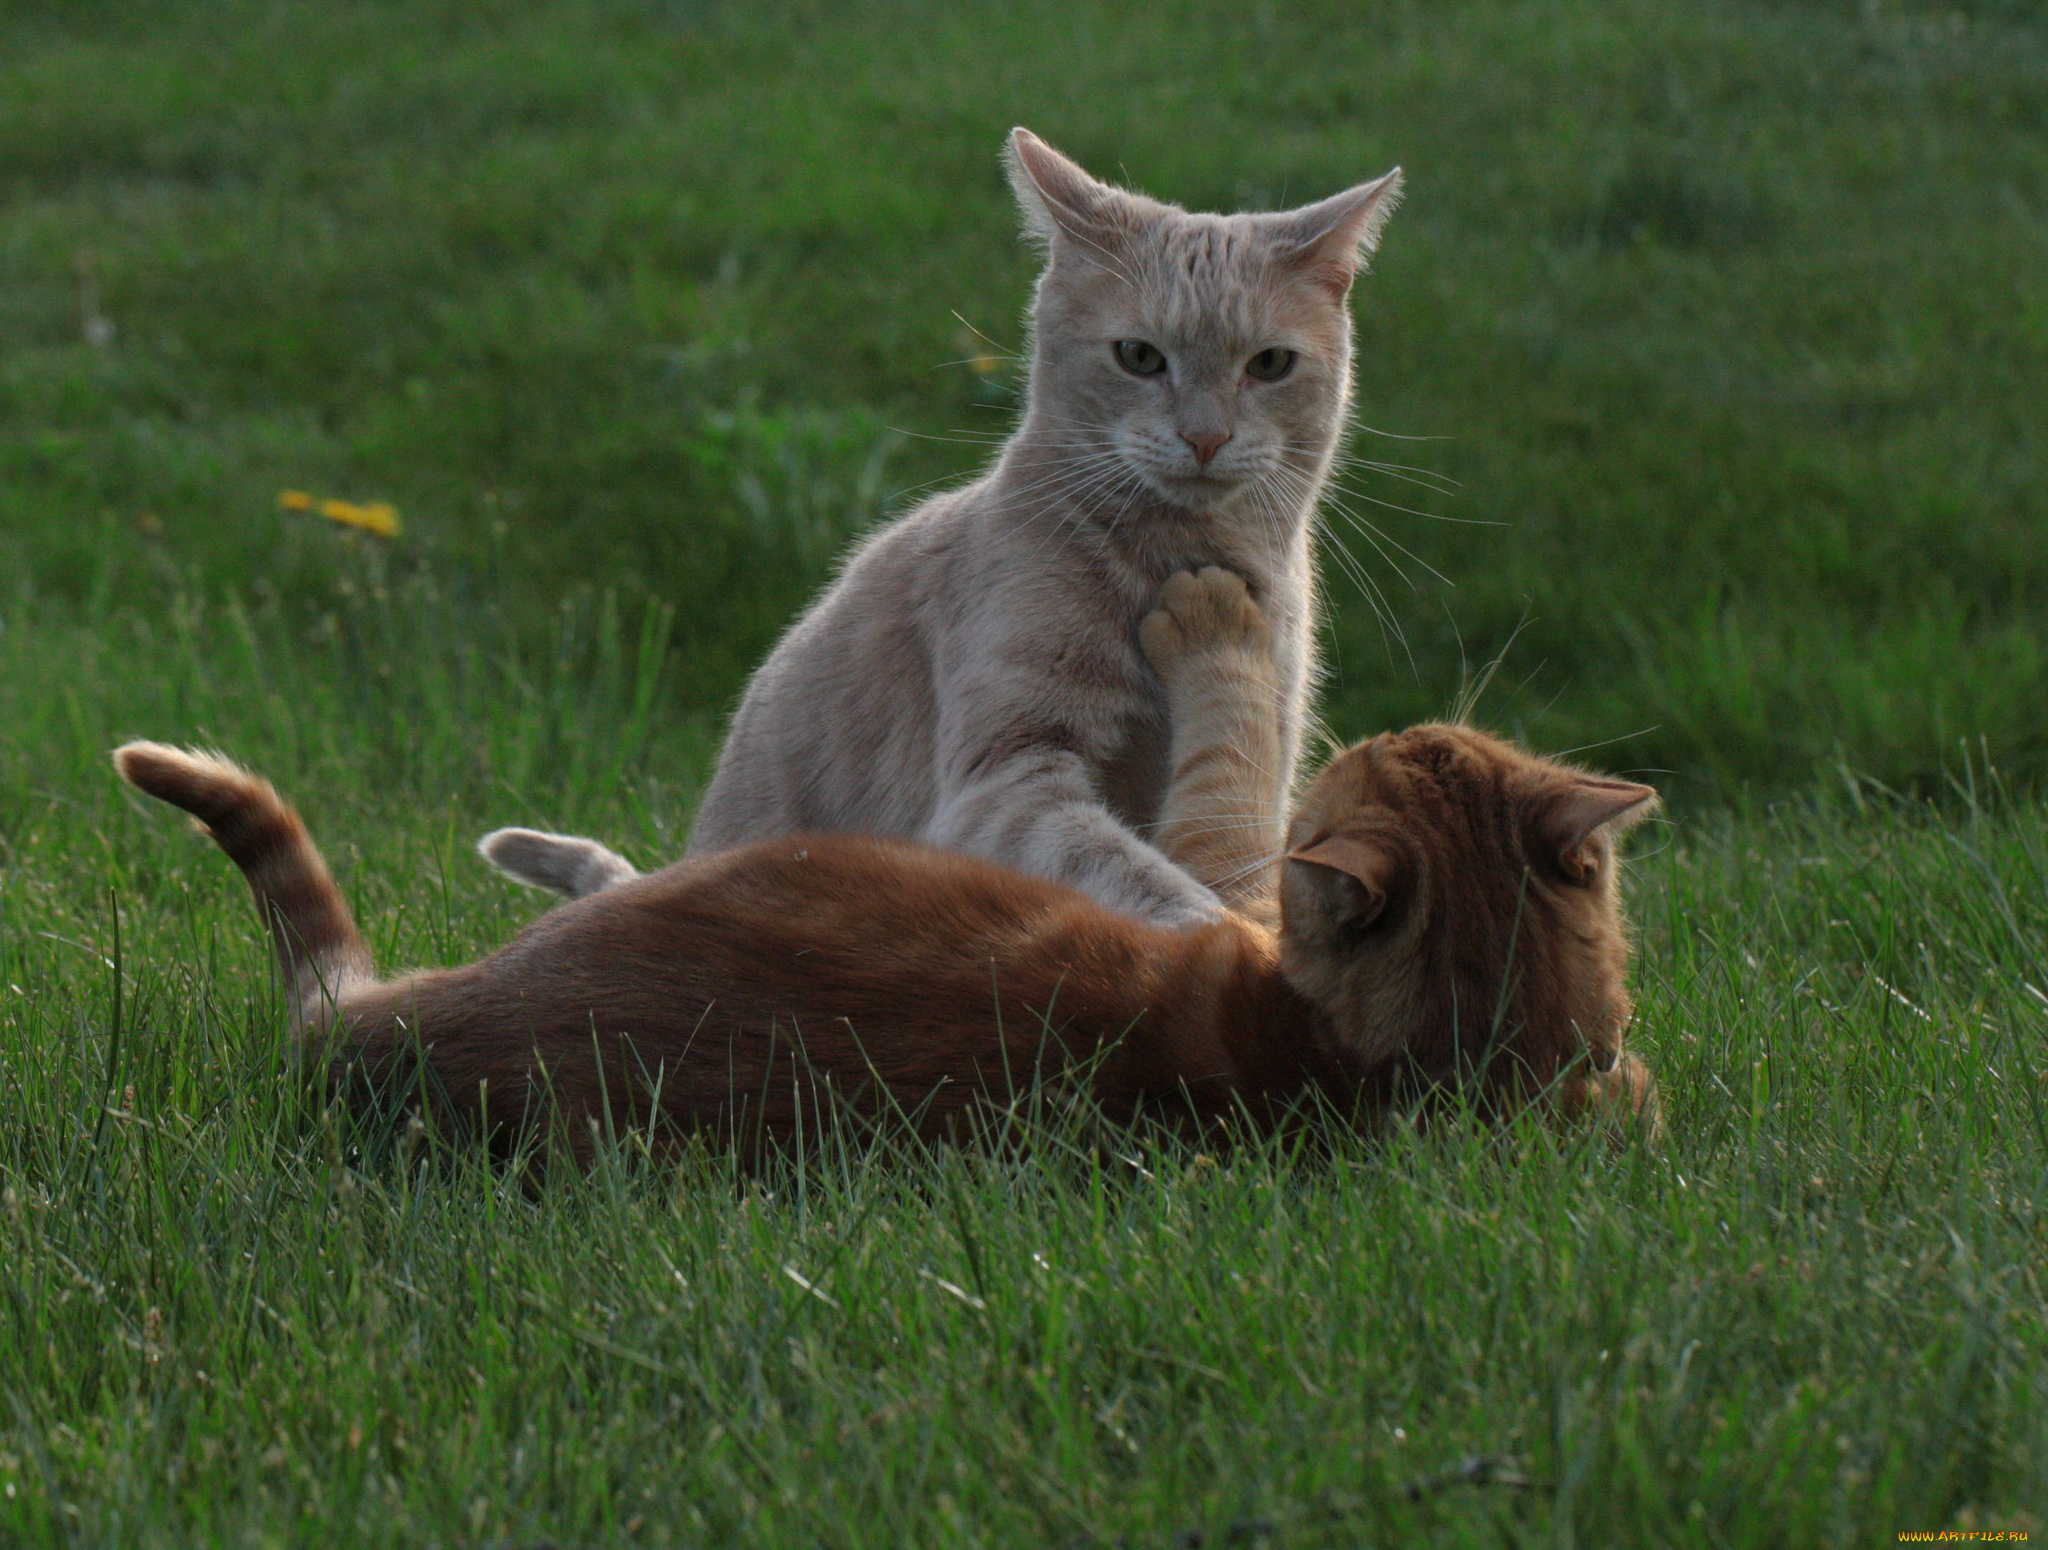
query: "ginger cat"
1448, 910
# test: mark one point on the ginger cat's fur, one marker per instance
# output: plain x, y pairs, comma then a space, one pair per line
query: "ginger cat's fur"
973, 679
1448, 907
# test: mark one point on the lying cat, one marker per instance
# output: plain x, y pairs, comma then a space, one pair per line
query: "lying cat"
1448, 907
973, 679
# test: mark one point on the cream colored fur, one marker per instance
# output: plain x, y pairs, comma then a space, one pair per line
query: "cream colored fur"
1213, 653
1210, 646
974, 679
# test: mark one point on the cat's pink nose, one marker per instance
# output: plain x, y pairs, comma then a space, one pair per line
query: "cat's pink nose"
1205, 446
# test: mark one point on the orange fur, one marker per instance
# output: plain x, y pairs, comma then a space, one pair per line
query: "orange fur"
748, 996
316, 939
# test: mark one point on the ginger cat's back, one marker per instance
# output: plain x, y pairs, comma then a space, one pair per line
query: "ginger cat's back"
908, 979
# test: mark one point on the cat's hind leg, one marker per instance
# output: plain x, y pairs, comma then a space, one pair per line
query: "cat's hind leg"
562, 863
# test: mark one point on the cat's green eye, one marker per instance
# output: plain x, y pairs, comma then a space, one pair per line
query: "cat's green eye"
1140, 358
1270, 365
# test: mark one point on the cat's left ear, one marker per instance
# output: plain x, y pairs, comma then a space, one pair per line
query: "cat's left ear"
1351, 876
1578, 811
1329, 241
1059, 199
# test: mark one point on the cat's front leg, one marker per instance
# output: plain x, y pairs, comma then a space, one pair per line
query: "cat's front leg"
1624, 1097
1226, 802
1024, 795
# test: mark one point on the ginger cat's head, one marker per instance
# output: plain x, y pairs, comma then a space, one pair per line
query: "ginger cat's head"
1207, 355
1441, 882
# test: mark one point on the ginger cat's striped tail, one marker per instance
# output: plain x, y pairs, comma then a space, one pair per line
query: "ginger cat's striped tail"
318, 947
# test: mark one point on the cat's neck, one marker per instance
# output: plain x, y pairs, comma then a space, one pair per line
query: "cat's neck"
1229, 998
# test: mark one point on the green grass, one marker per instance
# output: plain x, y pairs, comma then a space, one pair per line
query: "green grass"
1815, 1317
1732, 314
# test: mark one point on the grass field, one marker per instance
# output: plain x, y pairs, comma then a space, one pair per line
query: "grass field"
1732, 317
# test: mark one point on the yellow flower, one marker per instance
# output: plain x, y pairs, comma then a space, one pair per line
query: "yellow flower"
379, 517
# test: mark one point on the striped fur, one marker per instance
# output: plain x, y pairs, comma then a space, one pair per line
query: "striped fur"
319, 950
1224, 813
1443, 882
754, 995
1449, 912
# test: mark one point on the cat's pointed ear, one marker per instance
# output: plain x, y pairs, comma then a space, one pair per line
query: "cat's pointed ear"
1059, 199
1350, 876
1328, 242
1576, 812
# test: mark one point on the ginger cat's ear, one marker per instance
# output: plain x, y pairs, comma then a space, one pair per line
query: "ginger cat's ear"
1350, 876
1574, 813
1329, 241
1059, 199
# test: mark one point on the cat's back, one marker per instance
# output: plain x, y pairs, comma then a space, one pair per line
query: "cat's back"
748, 979
835, 729
816, 928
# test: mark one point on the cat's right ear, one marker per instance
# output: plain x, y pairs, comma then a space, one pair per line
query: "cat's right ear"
1059, 199
1350, 877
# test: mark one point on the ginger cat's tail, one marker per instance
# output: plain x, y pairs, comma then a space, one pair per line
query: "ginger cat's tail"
318, 947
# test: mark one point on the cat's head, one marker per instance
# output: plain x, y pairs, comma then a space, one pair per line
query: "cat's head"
1453, 904
1209, 356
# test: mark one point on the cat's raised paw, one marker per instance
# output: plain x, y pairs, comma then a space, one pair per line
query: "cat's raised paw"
1202, 611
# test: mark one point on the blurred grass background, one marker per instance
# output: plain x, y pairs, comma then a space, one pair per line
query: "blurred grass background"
1729, 323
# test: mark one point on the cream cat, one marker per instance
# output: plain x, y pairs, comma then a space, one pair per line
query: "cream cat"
973, 680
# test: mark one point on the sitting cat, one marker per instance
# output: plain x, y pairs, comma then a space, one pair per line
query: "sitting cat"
973, 679
1449, 908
